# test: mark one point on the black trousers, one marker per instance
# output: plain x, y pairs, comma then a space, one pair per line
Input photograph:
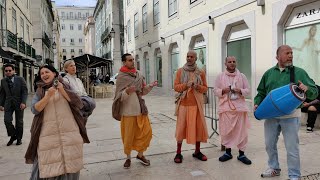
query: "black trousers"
312, 115
12, 130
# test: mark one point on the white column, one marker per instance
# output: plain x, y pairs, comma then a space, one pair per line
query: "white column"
21, 70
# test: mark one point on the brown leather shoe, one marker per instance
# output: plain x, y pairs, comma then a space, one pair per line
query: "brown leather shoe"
143, 160
127, 164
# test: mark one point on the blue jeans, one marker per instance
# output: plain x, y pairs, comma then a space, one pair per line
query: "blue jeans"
289, 128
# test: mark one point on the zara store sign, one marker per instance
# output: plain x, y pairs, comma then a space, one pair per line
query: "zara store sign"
304, 14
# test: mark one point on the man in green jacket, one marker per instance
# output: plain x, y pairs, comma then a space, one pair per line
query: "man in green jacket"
273, 78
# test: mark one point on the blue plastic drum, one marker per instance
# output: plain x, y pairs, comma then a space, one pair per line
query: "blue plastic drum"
279, 102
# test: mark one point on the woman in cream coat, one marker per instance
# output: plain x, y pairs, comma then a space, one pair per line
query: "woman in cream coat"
58, 131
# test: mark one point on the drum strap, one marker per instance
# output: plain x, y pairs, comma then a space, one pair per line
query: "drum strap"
291, 74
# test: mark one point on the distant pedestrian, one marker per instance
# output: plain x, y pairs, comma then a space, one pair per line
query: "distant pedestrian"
312, 107
231, 87
13, 98
77, 85
57, 131
129, 108
107, 78
190, 83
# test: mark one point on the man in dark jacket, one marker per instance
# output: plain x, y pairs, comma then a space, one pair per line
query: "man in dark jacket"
13, 97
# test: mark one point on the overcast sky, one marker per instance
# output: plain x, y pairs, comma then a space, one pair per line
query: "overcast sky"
90, 3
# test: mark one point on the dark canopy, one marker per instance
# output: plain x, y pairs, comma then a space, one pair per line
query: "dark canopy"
89, 61
6, 56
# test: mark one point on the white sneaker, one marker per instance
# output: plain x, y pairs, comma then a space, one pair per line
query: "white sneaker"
309, 129
271, 172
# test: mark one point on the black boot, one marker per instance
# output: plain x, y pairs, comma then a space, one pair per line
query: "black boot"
13, 138
312, 116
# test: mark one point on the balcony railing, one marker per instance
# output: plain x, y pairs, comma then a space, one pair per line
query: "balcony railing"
33, 52
105, 34
46, 40
22, 46
9, 39
28, 50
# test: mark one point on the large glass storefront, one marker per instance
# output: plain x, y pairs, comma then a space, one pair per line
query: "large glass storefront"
147, 68
175, 63
200, 48
302, 33
158, 68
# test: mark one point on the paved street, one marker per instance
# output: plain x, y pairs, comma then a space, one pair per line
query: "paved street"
104, 156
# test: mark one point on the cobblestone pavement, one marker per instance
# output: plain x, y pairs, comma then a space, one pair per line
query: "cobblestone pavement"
104, 156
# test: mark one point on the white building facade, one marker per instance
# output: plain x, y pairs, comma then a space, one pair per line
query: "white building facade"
159, 34
72, 21
42, 24
89, 33
108, 16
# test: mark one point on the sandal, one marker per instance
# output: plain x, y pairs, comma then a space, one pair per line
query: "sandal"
200, 156
143, 160
178, 158
244, 160
225, 157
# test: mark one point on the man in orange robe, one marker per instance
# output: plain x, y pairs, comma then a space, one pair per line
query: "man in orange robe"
190, 83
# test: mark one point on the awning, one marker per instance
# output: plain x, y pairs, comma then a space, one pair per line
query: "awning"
90, 61
4, 55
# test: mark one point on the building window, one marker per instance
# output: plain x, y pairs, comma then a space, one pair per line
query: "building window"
64, 58
87, 14
79, 27
71, 15
128, 2
63, 27
14, 21
22, 27
156, 12
136, 29
71, 26
80, 51
129, 30
72, 50
144, 18
64, 50
173, 4
193, 1
80, 40
63, 14
63, 40
79, 15
28, 33
71, 41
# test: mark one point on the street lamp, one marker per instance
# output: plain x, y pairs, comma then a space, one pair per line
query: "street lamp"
112, 33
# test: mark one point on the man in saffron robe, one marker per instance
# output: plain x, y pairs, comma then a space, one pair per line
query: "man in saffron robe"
129, 108
190, 83
231, 87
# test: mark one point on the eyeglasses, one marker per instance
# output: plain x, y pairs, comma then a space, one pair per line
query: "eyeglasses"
7, 70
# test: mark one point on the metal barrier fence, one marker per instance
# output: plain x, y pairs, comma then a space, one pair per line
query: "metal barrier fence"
211, 111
